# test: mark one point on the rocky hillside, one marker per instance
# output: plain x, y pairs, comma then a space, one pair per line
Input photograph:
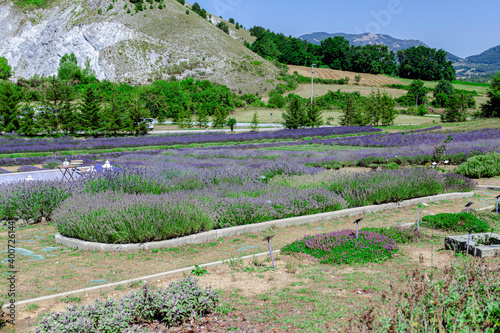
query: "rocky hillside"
137, 47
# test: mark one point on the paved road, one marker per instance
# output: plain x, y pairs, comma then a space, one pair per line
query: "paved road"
36, 175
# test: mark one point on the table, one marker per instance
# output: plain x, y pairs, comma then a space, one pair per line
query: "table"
68, 171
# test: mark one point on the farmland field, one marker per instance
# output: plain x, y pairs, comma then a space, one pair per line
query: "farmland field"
327, 73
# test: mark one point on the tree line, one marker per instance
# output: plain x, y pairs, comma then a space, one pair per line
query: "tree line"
336, 53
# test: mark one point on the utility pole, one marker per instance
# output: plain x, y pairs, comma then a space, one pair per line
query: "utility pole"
312, 81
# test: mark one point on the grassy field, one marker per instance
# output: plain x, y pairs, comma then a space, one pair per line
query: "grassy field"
245, 116
431, 84
282, 298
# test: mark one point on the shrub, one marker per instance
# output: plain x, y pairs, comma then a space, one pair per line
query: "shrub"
118, 218
457, 222
398, 234
181, 300
482, 166
33, 200
28, 168
342, 247
51, 163
377, 187
465, 299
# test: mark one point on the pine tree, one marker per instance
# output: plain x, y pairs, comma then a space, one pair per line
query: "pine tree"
113, 115
254, 125
294, 116
352, 114
314, 116
10, 99
201, 118
90, 109
219, 118
136, 114
28, 124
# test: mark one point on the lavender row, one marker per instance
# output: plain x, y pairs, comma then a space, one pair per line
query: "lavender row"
109, 143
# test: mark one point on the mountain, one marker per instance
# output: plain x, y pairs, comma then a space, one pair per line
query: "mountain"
172, 41
485, 64
490, 56
393, 44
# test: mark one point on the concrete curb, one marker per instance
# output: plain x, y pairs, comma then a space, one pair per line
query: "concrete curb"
488, 187
252, 228
178, 272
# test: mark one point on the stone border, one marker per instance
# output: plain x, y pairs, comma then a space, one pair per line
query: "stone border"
250, 228
170, 274
488, 187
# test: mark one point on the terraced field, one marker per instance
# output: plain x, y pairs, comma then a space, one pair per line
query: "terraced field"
326, 73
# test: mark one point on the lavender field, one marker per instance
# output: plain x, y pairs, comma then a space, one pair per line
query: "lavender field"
14, 145
177, 193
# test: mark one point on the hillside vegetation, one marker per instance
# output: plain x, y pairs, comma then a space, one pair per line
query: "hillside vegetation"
164, 40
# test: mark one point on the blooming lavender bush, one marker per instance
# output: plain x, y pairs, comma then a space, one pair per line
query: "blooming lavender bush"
342, 247
28, 168
171, 306
113, 217
33, 199
3, 171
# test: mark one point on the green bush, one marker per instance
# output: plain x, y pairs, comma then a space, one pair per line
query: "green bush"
481, 166
115, 218
457, 222
398, 234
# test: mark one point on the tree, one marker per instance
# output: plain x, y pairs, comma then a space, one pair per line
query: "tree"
424, 63
113, 114
353, 114
90, 109
442, 94
336, 53
201, 118
492, 107
28, 123
276, 101
380, 107
5, 69
68, 67
457, 109
294, 116
254, 124
357, 78
416, 94
231, 122
10, 99
219, 118
314, 116
137, 111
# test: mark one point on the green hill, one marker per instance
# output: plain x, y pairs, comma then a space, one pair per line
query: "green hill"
164, 40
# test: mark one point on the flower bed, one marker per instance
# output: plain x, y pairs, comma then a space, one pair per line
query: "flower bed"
181, 300
46, 145
342, 247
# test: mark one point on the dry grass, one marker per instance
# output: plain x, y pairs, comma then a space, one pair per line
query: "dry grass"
326, 73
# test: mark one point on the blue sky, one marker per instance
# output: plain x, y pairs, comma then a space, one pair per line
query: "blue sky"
463, 28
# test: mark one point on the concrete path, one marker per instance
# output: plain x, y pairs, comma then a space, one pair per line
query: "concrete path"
36, 175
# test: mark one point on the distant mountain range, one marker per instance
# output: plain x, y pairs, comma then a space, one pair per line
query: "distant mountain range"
484, 63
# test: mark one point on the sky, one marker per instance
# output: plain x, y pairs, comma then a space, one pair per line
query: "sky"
463, 28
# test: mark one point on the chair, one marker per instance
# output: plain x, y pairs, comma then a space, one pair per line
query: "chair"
90, 169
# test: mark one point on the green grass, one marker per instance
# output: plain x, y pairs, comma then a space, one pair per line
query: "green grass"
316, 147
459, 222
481, 90
33, 3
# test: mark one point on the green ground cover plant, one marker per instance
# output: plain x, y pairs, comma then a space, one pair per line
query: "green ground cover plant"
399, 234
342, 247
457, 222
481, 166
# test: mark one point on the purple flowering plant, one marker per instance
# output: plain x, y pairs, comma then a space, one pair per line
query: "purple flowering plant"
342, 247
